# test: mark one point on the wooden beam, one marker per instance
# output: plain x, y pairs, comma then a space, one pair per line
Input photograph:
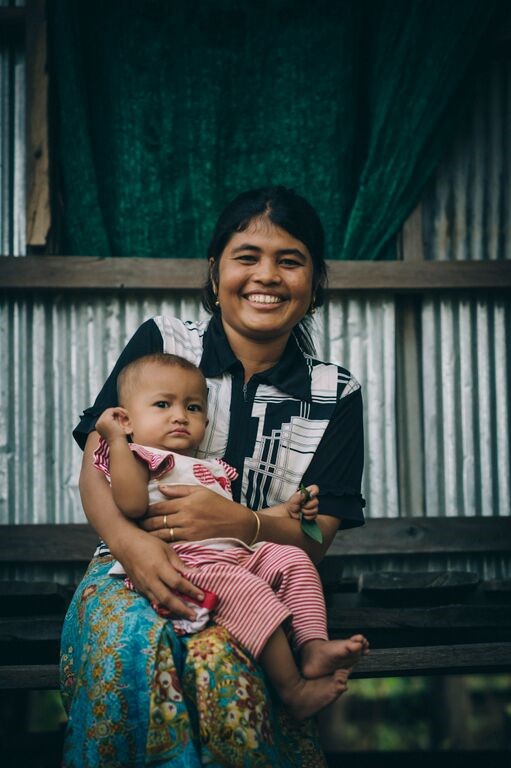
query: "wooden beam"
38, 189
83, 273
12, 17
424, 536
75, 542
386, 662
64, 543
440, 659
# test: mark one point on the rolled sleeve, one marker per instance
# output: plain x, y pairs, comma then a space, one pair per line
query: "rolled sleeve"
338, 464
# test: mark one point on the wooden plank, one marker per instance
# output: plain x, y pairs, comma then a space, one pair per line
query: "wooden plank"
418, 581
12, 17
387, 662
82, 273
75, 542
31, 629
61, 543
29, 677
364, 618
38, 184
426, 535
441, 659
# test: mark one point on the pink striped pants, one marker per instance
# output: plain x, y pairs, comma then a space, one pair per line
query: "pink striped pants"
258, 590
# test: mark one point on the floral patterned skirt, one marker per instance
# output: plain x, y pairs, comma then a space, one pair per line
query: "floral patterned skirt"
137, 695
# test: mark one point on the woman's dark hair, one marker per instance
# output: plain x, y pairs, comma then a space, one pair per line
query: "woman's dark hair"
287, 210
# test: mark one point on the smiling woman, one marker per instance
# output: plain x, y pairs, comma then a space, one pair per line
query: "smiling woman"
280, 418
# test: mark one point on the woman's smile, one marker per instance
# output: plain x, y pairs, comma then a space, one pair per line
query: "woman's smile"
264, 298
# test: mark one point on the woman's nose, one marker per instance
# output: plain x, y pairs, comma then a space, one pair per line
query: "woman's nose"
267, 272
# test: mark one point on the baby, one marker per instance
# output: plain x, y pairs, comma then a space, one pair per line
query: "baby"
256, 588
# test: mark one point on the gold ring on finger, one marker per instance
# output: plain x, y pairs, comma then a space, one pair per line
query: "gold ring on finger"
165, 521
172, 534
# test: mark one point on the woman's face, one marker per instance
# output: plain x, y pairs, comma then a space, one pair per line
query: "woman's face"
264, 281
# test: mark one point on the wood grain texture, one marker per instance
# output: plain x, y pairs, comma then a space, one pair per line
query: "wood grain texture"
38, 183
426, 535
81, 273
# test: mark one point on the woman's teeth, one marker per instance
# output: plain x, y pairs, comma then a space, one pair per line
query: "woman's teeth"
263, 298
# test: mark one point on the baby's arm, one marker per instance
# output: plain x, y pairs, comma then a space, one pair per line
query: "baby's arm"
298, 505
128, 476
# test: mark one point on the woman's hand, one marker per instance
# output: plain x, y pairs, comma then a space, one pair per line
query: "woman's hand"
155, 570
192, 513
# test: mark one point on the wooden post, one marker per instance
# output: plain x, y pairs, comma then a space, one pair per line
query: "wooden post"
38, 191
408, 384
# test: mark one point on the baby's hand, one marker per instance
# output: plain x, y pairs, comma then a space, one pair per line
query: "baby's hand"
299, 504
112, 423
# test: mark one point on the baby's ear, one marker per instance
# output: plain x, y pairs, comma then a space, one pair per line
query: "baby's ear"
124, 421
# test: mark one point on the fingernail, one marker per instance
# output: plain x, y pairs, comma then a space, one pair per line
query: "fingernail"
200, 596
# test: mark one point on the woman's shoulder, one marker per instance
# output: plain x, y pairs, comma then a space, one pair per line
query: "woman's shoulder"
331, 377
182, 337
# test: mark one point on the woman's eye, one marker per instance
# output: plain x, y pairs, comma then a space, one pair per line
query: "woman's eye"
290, 263
162, 404
246, 258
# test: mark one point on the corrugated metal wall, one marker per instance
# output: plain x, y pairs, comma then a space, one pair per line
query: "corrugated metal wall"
12, 143
467, 209
466, 357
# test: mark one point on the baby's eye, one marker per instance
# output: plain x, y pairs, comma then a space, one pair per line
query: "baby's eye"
161, 404
196, 407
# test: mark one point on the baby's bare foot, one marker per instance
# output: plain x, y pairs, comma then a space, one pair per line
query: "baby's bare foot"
322, 657
308, 697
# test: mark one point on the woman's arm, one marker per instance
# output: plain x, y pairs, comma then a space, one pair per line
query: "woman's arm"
196, 513
151, 564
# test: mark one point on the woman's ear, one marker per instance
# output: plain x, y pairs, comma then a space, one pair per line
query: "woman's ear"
212, 275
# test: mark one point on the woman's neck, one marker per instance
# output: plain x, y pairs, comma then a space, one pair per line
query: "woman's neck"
255, 355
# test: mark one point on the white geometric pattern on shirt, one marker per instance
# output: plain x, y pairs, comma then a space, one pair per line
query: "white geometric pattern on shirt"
288, 430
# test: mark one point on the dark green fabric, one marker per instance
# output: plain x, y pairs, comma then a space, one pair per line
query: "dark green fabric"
166, 110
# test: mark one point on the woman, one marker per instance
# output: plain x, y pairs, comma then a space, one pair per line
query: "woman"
135, 693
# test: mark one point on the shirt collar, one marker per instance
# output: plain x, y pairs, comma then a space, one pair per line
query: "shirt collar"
290, 374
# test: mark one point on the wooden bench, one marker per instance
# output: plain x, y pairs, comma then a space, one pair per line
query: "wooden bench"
420, 617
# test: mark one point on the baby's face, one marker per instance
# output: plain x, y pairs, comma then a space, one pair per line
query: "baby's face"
168, 409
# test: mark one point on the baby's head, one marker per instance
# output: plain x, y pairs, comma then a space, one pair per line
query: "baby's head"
166, 399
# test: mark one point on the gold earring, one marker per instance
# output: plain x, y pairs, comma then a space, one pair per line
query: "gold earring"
217, 303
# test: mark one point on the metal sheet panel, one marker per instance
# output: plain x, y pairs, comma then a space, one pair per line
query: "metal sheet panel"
12, 147
467, 208
466, 383
359, 333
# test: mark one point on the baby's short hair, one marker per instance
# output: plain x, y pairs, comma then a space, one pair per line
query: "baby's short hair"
126, 380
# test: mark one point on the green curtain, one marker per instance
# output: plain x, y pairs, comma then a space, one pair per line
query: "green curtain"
165, 109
